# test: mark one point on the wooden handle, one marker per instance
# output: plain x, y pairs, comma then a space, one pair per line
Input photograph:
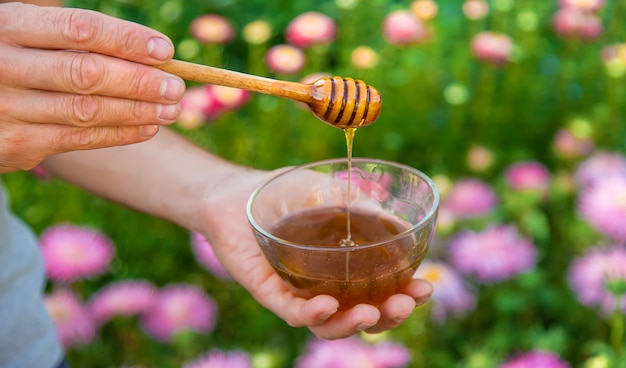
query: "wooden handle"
208, 74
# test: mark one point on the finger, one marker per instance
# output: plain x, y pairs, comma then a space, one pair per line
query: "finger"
420, 289
87, 73
310, 312
398, 308
82, 110
347, 323
101, 137
394, 311
273, 294
79, 29
25, 146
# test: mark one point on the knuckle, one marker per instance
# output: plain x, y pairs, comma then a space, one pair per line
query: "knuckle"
99, 137
80, 27
125, 135
136, 111
131, 42
80, 138
142, 82
84, 110
86, 74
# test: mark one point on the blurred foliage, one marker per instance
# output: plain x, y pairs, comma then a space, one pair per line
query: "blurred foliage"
513, 110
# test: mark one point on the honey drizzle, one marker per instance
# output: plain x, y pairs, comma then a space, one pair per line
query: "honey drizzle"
349, 133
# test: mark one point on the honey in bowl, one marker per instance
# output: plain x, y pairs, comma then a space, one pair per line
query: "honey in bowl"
300, 220
369, 272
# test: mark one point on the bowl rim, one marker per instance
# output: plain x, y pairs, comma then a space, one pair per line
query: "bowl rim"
420, 224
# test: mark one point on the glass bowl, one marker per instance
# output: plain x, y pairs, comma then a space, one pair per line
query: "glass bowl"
300, 220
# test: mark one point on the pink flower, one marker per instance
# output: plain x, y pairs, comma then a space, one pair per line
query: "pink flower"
475, 9
221, 359
207, 102
603, 205
72, 252
592, 27
179, 308
567, 22
567, 145
529, 176
230, 98
285, 59
492, 47
205, 255
125, 298
73, 323
536, 359
470, 198
572, 22
450, 296
41, 173
584, 5
599, 166
589, 276
310, 29
212, 29
400, 27
352, 352
495, 254
374, 186
198, 105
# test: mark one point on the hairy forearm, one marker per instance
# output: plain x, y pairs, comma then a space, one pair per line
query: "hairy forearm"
166, 176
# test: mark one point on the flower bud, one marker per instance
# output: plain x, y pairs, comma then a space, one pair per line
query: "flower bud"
529, 176
475, 9
572, 22
310, 29
364, 57
257, 32
479, 158
212, 29
230, 98
584, 5
424, 9
566, 144
285, 59
402, 28
492, 47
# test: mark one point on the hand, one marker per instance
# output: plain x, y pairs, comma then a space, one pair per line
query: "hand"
224, 224
73, 79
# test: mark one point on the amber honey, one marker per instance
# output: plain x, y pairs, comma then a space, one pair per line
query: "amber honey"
374, 268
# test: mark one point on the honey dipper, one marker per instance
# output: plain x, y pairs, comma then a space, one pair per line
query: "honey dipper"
339, 102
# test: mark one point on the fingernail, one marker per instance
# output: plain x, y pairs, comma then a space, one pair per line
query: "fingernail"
402, 318
148, 130
326, 315
172, 89
160, 48
167, 112
365, 326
